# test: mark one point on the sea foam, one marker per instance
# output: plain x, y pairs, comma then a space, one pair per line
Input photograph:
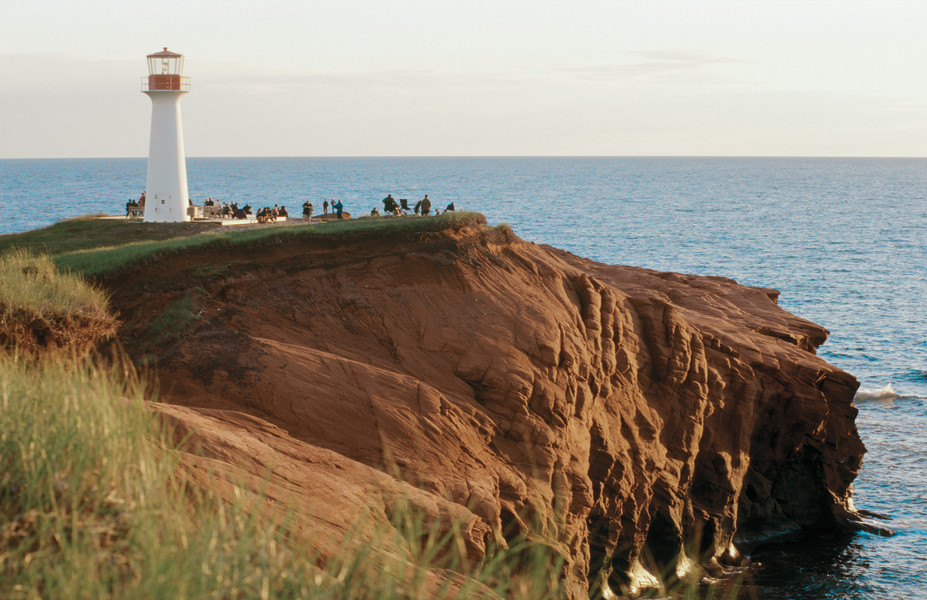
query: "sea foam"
883, 393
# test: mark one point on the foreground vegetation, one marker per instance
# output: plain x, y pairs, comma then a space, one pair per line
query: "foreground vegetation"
31, 283
95, 503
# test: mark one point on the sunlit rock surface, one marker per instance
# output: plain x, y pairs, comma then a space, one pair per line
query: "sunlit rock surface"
633, 421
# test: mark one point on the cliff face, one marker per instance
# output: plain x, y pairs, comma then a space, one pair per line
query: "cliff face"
632, 421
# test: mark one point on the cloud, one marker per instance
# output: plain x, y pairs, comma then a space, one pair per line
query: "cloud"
665, 66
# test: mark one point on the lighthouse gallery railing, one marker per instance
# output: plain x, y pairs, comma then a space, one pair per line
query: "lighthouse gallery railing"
166, 83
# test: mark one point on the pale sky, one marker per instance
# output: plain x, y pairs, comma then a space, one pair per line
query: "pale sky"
470, 77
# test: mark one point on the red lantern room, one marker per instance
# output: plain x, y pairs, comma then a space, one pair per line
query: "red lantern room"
165, 73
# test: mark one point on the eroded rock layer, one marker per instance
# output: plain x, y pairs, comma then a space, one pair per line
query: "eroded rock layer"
631, 420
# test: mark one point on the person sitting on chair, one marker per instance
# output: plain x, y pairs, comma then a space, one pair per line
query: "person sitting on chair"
389, 205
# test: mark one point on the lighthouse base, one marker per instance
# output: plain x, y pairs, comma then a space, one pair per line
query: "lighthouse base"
166, 195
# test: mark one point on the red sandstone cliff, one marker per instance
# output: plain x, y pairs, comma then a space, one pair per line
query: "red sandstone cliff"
626, 418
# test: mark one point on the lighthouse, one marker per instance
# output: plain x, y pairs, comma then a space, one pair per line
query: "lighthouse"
166, 195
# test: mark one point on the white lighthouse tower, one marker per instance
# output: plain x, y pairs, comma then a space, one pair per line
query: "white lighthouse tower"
166, 195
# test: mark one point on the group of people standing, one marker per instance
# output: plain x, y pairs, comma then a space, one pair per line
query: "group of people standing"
390, 207
337, 208
225, 210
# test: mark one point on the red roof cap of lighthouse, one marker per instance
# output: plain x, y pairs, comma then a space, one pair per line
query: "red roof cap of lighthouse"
165, 52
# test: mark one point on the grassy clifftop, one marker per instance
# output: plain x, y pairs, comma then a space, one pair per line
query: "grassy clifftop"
46, 301
84, 233
97, 247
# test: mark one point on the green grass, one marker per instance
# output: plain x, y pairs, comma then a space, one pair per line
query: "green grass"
174, 322
32, 284
83, 233
95, 503
95, 258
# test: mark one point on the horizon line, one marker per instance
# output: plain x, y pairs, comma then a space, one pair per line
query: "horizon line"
420, 156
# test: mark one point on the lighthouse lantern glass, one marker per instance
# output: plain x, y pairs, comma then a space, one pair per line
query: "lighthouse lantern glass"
165, 65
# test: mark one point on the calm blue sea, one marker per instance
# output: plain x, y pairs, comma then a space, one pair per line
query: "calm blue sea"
845, 240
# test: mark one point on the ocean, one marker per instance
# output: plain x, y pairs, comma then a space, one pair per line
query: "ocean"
844, 240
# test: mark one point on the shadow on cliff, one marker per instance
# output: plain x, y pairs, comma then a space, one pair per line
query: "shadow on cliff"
629, 421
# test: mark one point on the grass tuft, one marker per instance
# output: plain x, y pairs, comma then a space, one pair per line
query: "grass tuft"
42, 309
174, 322
32, 283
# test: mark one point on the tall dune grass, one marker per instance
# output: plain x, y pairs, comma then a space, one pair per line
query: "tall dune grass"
95, 503
45, 311
31, 283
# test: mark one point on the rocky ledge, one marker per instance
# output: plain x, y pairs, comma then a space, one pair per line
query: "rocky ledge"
634, 422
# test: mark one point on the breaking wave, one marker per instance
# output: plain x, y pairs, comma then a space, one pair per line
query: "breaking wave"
883, 393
